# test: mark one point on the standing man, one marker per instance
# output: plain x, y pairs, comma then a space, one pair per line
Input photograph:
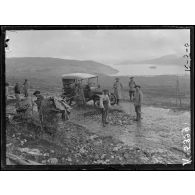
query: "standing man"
17, 93
117, 90
138, 99
105, 105
131, 88
26, 87
39, 99
80, 97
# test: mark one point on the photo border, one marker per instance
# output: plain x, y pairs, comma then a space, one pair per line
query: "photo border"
143, 167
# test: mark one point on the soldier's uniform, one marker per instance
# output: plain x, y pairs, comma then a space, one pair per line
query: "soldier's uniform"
131, 89
50, 116
118, 90
138, 98
104, 105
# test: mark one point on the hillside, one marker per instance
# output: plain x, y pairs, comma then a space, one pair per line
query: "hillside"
45, 75
30, 67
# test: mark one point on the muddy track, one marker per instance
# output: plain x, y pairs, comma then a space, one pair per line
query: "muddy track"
159, 132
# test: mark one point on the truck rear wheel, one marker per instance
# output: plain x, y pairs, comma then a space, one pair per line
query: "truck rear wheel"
96, 102
112, 99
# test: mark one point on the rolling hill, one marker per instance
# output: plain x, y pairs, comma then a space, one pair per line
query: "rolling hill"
29, 67
45, 73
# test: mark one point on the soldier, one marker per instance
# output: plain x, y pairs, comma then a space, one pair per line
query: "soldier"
117, 90
105, 105
26, 87
39, 99
50, 116
48, 113
17, 94
79, 93
138, 98
131, 88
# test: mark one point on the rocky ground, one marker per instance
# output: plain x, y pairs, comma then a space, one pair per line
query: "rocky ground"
83, 140
73, 145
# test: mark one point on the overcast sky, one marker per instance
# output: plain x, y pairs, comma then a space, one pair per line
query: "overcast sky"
107, 46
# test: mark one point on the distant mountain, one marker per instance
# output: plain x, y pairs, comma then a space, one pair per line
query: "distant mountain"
45, 73
53, 67
164, 60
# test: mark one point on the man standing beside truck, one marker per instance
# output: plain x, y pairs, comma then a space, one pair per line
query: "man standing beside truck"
118, 87
105, 105
131, 88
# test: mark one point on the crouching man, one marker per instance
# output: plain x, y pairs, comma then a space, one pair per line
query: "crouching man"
138, 99
105, 105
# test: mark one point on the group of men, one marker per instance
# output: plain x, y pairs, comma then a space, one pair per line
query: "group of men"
48, 112
135, 95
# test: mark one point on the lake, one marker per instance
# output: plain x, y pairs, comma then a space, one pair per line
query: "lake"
149, 69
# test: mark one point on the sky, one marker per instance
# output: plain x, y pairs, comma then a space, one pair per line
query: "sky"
106, 46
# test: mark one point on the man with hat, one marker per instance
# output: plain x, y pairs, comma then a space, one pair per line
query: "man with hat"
131, 88
39, 99
118, 90
105, 105
138, 99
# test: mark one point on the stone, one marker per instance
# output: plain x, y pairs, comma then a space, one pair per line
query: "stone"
46, 154
44, 161
34, 152
82, 150
53, 161
96, 156
69, 159
126, 155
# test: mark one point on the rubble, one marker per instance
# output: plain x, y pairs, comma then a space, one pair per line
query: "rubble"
73, 145
115, 117
35, 152
52, 161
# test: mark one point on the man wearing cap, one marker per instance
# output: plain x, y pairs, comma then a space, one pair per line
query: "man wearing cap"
138, 99
105, 105
39, 99
117, 90
131, 88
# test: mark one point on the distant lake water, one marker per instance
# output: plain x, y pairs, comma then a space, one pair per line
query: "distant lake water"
149, 69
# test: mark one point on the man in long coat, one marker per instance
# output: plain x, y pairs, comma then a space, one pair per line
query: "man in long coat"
118, 90
26, 88
138, 99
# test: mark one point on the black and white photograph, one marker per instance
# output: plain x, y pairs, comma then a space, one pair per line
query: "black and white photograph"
97, 98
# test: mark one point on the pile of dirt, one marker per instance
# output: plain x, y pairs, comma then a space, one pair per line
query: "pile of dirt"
116, 117
72, 145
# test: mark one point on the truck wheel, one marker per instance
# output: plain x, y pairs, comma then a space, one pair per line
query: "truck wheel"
96, 103
112, 99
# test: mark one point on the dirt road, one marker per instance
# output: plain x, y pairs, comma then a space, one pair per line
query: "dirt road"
159, 132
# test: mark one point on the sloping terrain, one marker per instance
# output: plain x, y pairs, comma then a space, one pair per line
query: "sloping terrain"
30, 67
